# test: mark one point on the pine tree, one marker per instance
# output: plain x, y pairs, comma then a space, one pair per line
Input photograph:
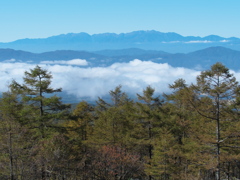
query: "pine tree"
114, 121
211, 105
115, 126
182, 155
9, 130
218, 90
41, 112
42, 109
150, 118
79, 129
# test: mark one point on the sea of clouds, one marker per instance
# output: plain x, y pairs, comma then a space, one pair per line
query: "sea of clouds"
79, 80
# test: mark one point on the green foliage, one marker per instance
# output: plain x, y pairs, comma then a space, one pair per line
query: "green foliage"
192, 133
40, 112
115, 122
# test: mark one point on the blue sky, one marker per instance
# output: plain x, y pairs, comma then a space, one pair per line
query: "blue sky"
38, 19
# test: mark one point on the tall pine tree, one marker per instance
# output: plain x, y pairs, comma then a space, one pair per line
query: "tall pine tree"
42, 113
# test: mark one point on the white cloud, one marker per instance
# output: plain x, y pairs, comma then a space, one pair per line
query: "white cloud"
98, 81
205, 41
77, 62
171, 42
10, 60
224, 41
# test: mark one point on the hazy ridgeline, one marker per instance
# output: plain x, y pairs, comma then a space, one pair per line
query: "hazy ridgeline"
191, 133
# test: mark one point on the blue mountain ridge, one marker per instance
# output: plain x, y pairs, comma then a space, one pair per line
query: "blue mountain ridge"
148, 40
202, 58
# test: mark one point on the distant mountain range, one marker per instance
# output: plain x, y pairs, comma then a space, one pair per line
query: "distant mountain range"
201, 59
147, 40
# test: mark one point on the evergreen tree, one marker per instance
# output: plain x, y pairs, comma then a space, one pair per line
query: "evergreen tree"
79, 129
176, 148
114, 123
41, 112
115, 126
150, 118
209, 108
12, 138
218, 90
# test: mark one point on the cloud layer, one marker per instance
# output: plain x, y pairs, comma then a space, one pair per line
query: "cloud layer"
77, 62
98, 81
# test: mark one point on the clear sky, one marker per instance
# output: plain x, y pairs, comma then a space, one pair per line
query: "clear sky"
43, 18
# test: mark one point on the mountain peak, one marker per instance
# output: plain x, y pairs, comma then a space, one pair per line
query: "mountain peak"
148, 40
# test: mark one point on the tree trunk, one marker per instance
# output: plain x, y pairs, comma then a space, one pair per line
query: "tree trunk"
10, 156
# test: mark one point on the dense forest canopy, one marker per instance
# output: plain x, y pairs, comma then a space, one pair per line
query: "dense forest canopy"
192, 133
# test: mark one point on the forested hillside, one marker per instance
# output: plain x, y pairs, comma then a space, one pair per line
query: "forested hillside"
192, 133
